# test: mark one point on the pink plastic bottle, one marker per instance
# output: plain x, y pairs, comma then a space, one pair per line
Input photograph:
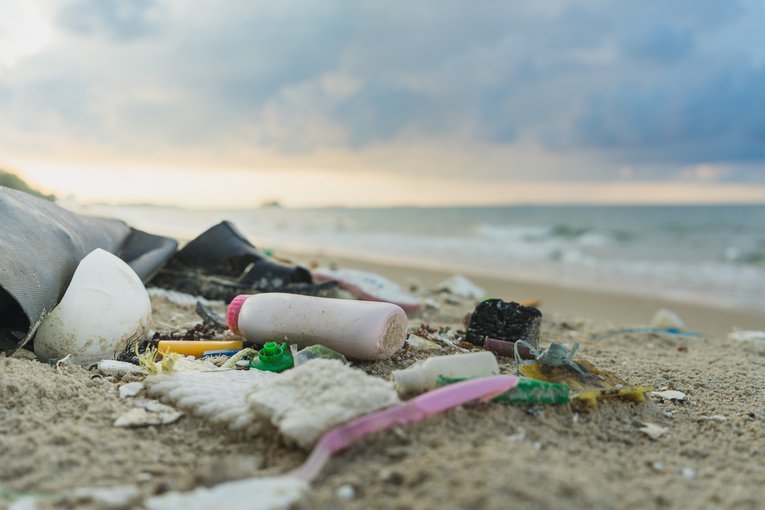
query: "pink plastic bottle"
365, 330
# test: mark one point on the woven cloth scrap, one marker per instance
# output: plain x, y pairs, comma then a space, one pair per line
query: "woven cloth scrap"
307, 401
217, 396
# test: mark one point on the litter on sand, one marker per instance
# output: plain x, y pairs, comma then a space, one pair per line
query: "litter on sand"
295, 365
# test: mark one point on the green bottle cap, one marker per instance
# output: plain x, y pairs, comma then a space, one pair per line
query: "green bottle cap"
273, 358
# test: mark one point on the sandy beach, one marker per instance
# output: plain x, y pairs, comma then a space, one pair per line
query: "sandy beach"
57, 434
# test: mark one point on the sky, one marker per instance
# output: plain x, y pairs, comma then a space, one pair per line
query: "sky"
235, 102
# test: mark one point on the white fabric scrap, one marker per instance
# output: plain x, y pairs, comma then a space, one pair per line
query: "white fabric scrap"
461, 286
306, 401
272, 493
216, 396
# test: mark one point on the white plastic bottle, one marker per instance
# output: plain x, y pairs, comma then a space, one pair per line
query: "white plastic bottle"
105, 307
423, 375
366, 330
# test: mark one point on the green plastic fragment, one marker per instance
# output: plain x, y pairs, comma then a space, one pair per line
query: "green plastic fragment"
273, 358
318, 351
528, 392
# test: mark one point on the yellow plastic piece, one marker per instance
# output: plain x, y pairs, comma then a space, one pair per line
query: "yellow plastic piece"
197, 347
598, 385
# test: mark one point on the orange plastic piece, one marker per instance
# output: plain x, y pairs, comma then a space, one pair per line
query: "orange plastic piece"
197, 348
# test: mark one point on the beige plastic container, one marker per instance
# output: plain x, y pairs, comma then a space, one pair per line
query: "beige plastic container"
366, 330
423, 375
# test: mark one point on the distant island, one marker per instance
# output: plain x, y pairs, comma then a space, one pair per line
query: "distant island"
13, 181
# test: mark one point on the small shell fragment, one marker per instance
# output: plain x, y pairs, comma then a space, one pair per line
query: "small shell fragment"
668, 395
148, 413
130, 390
652, 430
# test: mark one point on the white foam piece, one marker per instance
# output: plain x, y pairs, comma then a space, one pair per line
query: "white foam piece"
271, 493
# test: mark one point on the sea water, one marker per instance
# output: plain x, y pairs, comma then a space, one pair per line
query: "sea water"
712, 254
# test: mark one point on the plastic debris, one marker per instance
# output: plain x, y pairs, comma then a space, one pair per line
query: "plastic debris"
239, 357
665, 318
197, 348
368, 286
717, 417
419, 343
358, 329
652, 430
148, 413
310, 399
669, 395
586, 390
505, 348
504, 320
414, 410
346, 492
272, 493
316, 352
227, 353
130, 389
555, 355
689, 473
273, 358
110, 367
104, 309
662, 331
423, 375
460, 286
755, 337
209, 317
527, 392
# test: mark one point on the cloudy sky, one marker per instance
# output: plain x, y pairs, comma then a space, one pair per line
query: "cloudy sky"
385, 102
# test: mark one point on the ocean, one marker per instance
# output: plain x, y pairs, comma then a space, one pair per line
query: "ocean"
704, 254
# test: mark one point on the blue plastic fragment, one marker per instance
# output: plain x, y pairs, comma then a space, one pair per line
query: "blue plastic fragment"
224, 352
668, 331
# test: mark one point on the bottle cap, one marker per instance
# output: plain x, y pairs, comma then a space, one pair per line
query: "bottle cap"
409, 380
273, 358
232, 316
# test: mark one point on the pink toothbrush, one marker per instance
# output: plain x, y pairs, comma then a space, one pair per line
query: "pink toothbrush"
414, 410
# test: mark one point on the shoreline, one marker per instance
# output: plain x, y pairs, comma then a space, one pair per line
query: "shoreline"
620, 309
